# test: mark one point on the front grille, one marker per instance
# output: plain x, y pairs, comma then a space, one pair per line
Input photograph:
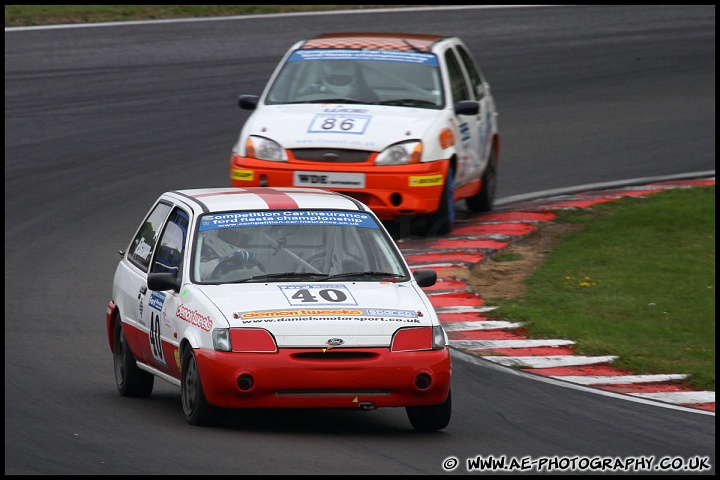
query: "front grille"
328, 393
331, 155
334, 355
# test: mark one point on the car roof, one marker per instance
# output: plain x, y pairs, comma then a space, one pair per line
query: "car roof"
416, 42
264, 198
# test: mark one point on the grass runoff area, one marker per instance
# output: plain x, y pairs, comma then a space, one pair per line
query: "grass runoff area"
638, 281
28, 15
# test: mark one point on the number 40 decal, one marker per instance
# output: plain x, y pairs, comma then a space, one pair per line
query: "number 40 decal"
318, 295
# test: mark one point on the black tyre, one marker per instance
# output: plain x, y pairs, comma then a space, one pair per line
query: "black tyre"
130, 380
428, 418
441, 222
483, 201
196, 408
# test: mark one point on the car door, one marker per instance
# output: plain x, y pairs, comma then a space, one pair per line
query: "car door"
468, 167
480, 90
130, 290
161, 307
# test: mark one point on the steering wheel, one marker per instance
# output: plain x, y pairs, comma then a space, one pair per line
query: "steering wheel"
236, 261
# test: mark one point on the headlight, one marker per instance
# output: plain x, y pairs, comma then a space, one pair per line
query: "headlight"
263, 148
221, 339
400, 154
419, 338
440, 339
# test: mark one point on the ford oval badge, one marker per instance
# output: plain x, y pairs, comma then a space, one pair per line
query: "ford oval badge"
334, 342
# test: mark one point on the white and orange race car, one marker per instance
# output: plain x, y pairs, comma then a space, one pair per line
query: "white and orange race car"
404, 123
275, 298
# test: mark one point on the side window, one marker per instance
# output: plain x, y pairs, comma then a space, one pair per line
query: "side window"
169, 253
457, 78
476, 80
143, 246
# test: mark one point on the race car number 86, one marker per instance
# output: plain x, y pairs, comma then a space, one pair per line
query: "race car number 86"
324, 123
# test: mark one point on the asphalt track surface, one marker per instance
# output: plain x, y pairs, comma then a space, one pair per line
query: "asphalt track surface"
99, 120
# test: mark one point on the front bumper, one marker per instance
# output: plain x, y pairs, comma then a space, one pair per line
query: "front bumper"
313, 378
390, 191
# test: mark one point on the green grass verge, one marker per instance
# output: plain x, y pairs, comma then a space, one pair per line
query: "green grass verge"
28, 15
638, 281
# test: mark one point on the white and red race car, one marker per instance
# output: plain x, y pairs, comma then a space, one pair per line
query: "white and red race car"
403, 122
276, 298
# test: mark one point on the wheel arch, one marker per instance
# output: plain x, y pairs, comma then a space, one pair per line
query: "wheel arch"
112, 316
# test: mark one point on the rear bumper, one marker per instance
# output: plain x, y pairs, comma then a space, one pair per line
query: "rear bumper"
376, 378
390, 191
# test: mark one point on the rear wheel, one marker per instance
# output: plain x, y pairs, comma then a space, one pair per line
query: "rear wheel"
483, 201
130, 380
428, 418
443, 219
195, 406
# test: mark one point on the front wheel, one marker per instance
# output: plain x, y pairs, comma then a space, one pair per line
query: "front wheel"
443, 219
428, 418
196, 408
130, 380
483, 201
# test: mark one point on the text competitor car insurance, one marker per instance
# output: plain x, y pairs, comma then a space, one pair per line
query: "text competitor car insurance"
404, 123
275, 298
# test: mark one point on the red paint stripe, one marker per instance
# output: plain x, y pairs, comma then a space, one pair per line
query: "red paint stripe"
462, 317
659, 387
519, 216
276, 199
453, 257
484, 335
687, 183
455, 300
495, 229
527, 352
450, 243
710, 407
447, 285
587, 370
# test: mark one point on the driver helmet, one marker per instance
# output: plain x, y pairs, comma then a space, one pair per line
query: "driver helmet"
339, 76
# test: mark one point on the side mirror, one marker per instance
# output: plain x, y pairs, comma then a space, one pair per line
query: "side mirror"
467, 107
248, 102
425, 277
163, 281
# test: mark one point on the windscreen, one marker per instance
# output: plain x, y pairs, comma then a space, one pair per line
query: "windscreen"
384, 77
293, 246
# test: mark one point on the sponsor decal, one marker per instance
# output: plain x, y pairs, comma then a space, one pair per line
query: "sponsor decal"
143, 249
193, 317
331, 318
328, 180
378, 55
297, 313
344, 314
286, 217
157, 299
425, 181
244, 175
393, 313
